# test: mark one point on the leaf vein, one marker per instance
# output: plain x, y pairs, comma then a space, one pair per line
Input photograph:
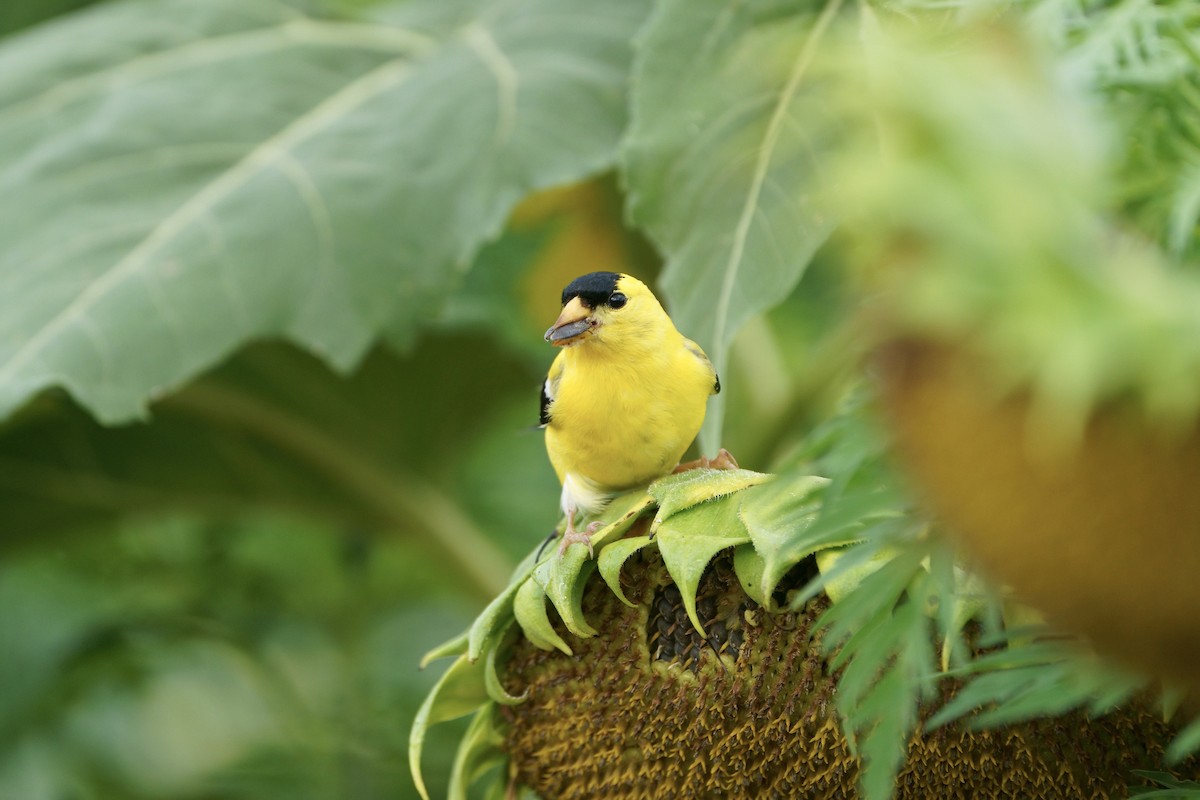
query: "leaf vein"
763, 161
294, 33
481, 41
306, 189
261, 157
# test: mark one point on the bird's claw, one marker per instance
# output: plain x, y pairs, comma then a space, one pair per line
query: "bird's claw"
571, 536
722, 460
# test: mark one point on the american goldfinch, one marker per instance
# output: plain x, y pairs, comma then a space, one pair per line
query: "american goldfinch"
625, 396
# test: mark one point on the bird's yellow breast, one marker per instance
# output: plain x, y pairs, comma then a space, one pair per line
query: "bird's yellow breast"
622, 417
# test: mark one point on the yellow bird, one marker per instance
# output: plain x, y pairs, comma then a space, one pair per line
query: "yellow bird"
624, 398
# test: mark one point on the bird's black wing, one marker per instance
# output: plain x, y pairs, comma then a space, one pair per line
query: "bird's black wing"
696, 350
544, 414
549, 390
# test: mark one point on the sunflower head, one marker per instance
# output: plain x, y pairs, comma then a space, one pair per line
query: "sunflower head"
690, 660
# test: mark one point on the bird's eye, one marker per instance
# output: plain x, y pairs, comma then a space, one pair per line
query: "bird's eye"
617, 300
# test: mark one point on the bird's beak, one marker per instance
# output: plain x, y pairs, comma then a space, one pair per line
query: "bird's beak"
574, 321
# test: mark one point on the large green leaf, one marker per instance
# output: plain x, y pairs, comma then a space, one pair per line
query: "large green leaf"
723, 156
182, 177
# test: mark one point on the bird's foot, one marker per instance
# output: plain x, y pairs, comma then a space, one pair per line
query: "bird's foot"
571, 536
722, 460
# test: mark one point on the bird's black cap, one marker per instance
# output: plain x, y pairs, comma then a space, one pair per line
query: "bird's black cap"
593, 289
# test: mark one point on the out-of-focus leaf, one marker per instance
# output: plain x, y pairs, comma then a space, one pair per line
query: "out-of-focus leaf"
202, 708
275, 427
155, 221
723, 159
862, 492
1176, 789
18, 14
1140, 61
1034, 678
1186, 743
886, 712
1014, 255
501, 475
689, 540
47, 616
879, 637
253, 657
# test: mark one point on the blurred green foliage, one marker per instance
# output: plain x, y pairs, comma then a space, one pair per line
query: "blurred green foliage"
272, 294
185, 656
19, 14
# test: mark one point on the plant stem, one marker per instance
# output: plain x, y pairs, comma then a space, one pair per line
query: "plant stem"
401, 497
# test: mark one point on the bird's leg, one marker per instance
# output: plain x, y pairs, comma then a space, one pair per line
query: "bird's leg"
571, 536
542, 548
723, 460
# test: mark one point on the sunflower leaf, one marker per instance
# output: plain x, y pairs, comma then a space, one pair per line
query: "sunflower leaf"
563, 578
621, 514
457, 646
479, 749
750, 567
529, 608
777, 516
837, 582
689, 540
491, 675
459, 692
683, 490
613, 557
499, 612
